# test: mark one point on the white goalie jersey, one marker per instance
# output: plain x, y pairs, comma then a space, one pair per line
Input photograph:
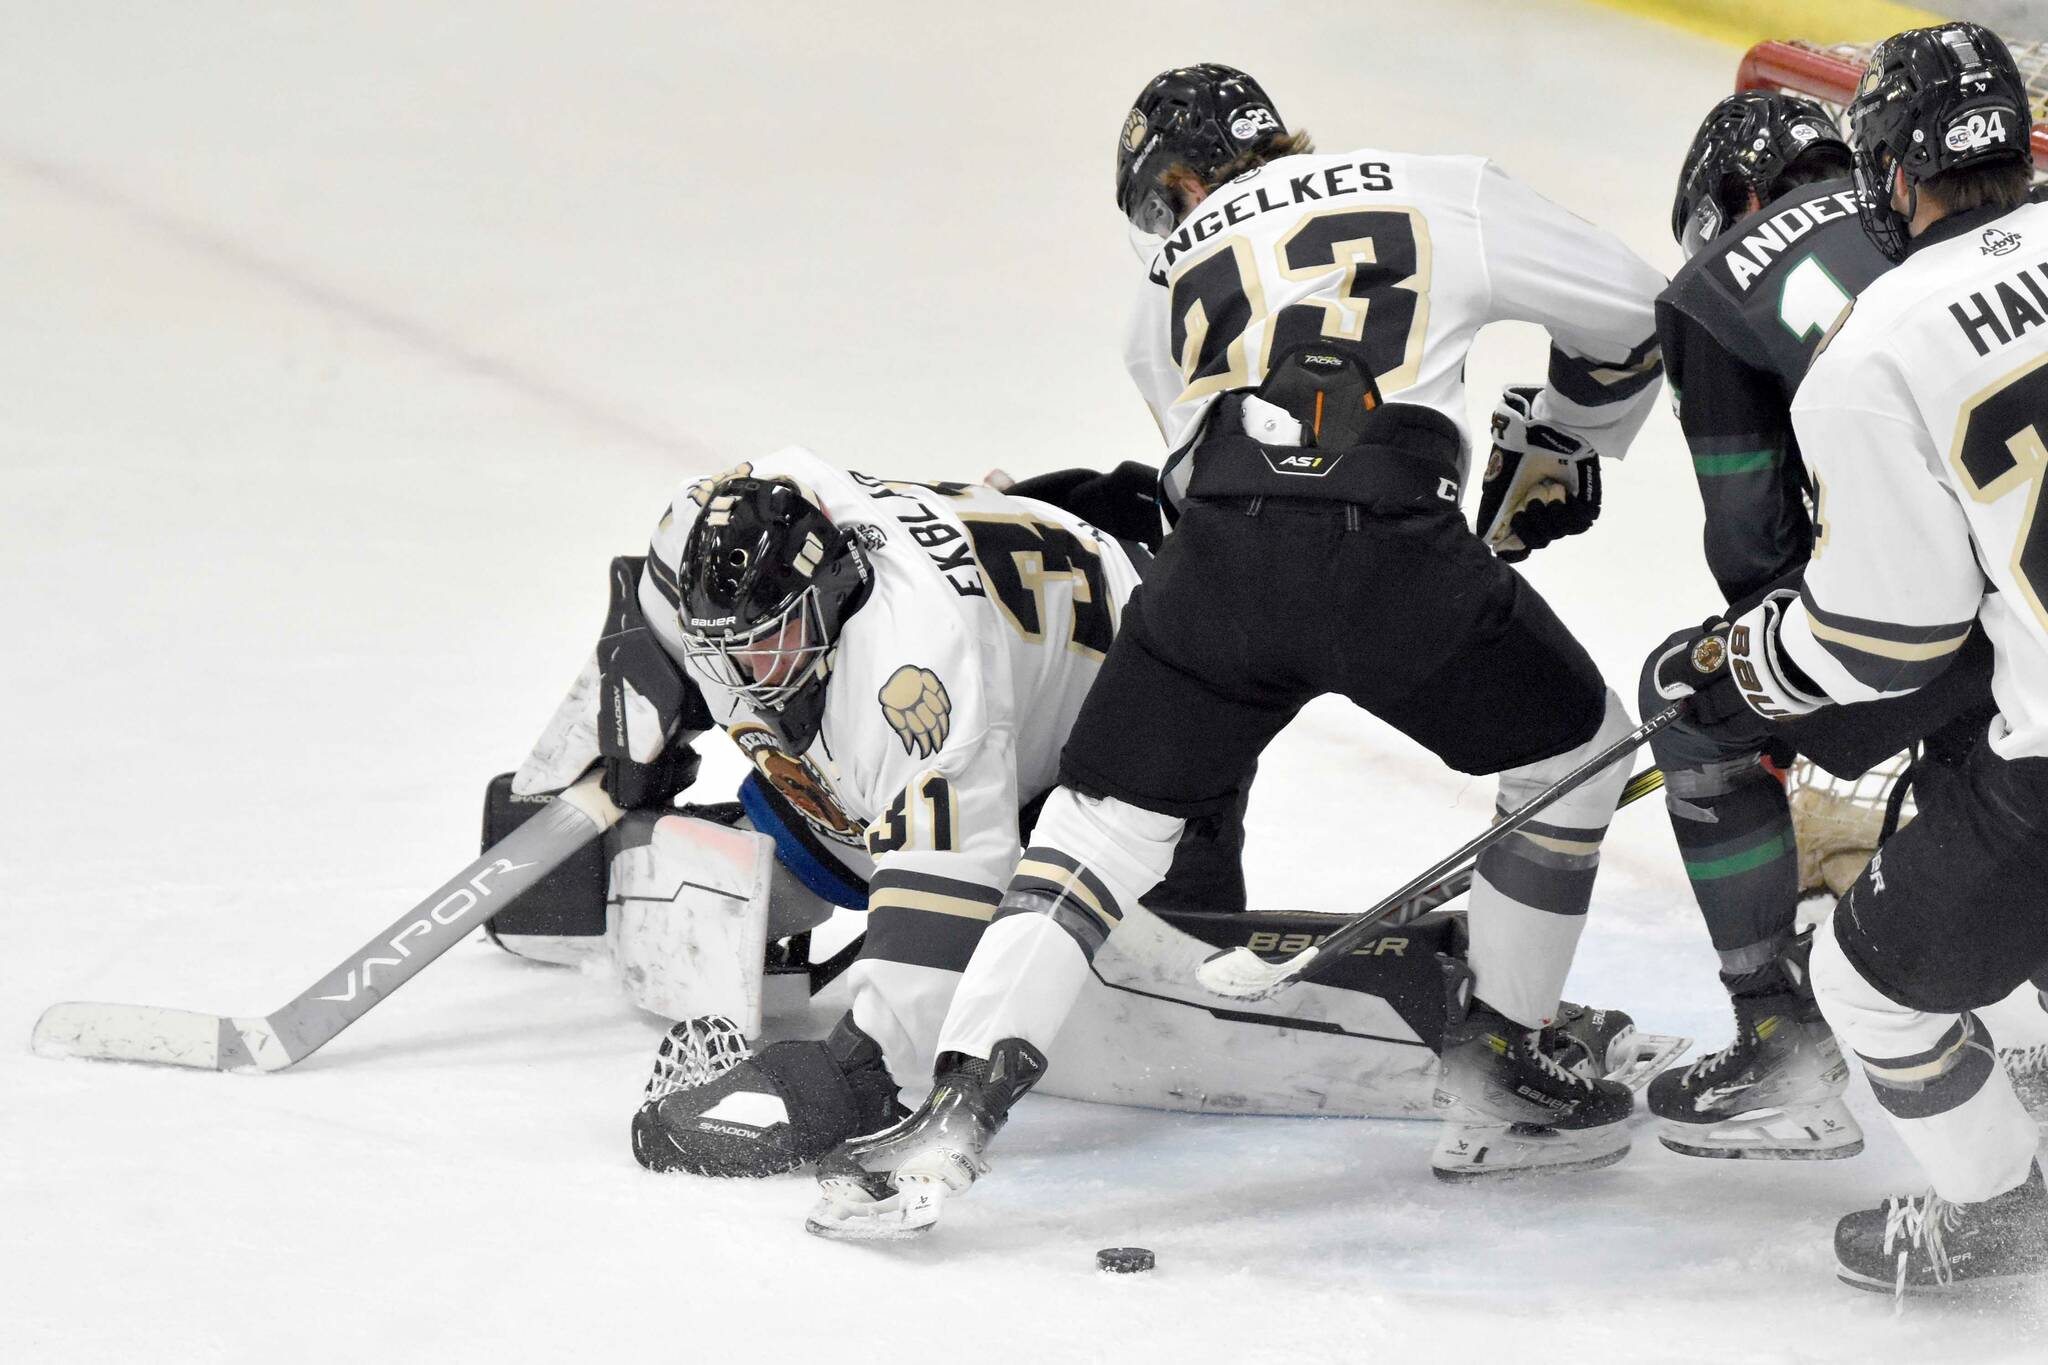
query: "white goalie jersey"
1924, 422
1405, 257
952, 688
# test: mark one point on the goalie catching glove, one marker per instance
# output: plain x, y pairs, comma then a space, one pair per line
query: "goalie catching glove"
1542, 482
764, 1114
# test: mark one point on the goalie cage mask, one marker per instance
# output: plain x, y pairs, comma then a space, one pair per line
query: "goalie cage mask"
767, 584
1931, 100
1202, 117
1745, 143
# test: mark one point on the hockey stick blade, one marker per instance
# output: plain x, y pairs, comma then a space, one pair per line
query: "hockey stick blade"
213, 1042
148, 1033
1241, 974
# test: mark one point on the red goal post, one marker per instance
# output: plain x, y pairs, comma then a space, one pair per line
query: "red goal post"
1830, 74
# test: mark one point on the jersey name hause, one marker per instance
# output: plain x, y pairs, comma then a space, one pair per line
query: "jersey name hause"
2003, 313
943, 542
1749, 258
1227, 209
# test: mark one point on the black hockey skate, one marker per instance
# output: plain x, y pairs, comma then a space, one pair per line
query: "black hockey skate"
1927, 1245
711, 1109
1775, 1093
1509, 1106
1605, 1044
893, 1184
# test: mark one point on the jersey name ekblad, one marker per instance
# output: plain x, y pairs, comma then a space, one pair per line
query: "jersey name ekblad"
1750, 257
2003, 313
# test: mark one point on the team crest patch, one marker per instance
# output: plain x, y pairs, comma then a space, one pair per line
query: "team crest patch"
1710, 654
796, 781
1134, 131
915, 704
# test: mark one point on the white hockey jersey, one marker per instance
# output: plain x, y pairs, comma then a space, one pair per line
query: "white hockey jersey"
1924, 423
952, 688
1407, 257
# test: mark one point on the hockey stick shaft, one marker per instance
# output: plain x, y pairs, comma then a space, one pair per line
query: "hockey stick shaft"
1242, 974
505, 871
1457, 883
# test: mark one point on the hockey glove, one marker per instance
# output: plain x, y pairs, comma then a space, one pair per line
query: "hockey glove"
1771, 684
1695, 668
1542, 482
643, 701
631, 708
1123, 501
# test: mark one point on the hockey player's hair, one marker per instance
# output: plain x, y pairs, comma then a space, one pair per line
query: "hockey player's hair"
2003, 184
1824, 161
1296, 143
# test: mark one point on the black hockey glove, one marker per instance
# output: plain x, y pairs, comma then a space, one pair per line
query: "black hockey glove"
1123, 502
1542, 482
1696, 669
643, 702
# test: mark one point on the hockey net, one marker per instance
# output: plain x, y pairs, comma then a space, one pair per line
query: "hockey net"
1830, 74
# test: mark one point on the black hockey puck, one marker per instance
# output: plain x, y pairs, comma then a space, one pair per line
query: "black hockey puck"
1124, 1260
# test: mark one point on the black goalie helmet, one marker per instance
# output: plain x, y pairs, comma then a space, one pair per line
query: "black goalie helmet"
767, 583
1201, 117
1743, 145
1932, 100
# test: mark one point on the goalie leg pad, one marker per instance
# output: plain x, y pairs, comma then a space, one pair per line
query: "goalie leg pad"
780, 1109
689, 916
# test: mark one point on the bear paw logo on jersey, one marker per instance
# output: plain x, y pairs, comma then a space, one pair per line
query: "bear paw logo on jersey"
1976, 132
1998, 242
915, 704
1251, 122
1135, 129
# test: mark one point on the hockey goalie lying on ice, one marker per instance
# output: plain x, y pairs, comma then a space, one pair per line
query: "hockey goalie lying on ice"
902, 662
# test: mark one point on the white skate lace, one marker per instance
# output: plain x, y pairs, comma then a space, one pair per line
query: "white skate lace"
1919, 1223
1709, 1064
2022, 1061
1550, 1066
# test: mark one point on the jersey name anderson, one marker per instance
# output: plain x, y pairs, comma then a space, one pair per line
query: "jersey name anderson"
1229, 210
1749, 258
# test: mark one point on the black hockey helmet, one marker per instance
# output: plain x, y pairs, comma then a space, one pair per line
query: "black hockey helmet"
767, 583
1203, 117
1745, 143
1932, 100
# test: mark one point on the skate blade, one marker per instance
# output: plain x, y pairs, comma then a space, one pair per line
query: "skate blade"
2020, 1284
1518, 1150
851, 1215
1635, 1057
1821, 1132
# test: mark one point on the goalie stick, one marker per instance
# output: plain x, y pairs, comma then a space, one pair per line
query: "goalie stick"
1241, 974
272, 1042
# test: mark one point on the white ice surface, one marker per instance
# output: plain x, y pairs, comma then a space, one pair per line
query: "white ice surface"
340, 345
